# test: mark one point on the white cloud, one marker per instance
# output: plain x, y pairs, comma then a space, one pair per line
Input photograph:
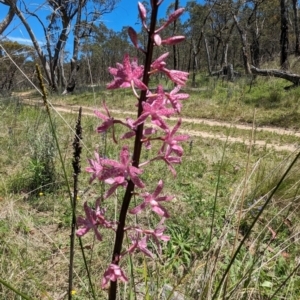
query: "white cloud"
23, 40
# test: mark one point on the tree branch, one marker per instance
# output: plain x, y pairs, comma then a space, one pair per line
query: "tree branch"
9, 17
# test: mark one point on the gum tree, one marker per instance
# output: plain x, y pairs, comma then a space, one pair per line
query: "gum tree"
64, 17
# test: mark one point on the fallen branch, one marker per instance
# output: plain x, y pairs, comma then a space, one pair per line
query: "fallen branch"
294, 78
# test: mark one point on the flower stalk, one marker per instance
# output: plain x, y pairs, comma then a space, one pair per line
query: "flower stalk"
126, 172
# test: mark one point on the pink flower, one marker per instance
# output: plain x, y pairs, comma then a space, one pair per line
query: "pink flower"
178, 77
170, 161
171, 141
100, 212
117, 173
93, 219
157, 234
95, 167
159, 94
113, 273
174, 98
153, 200
127, 75
159, 63
109, 121
156, 110
156, 39
139, 244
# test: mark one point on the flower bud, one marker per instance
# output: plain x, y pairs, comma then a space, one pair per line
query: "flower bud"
157, 39
173, 40
172, 17
133, 36
142, 11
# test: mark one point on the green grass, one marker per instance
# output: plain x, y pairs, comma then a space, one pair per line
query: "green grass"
216, 179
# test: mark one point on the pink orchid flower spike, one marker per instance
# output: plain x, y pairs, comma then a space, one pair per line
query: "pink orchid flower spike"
153, 111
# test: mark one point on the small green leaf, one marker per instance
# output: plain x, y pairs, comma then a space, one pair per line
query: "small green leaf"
267, 284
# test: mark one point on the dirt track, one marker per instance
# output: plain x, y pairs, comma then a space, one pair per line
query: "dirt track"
204, 134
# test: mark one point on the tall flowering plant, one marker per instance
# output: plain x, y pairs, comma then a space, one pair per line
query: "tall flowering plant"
153, 109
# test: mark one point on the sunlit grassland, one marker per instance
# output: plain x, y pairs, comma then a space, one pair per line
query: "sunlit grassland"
216, 178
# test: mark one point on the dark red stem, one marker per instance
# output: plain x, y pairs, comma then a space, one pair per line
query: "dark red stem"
136, 155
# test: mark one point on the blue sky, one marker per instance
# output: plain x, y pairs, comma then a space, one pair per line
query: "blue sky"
127, 12
124, 15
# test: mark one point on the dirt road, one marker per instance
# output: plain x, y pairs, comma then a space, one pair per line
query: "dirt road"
205, 134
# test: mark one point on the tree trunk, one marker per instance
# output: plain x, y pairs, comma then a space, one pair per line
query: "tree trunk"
224, 61
175, 66
190, 57
74, 65
225, 43
284, 38
296, 25
208, 56
243, 36
255, 49
195, 63
62, 82
216, 60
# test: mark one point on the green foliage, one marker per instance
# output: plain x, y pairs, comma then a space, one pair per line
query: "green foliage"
179, 250
39, 174
41, 164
